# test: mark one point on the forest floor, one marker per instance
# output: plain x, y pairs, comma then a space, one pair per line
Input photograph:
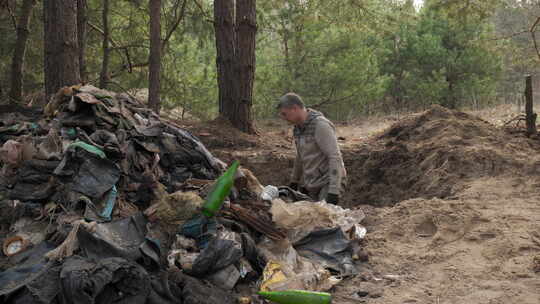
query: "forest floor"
452, 202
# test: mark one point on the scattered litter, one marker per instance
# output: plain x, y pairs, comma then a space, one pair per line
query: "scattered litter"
301, 218
269, 193
14, 245
391, 277
329, 248
175, 208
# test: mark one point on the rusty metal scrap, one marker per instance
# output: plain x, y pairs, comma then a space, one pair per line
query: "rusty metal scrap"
263, 226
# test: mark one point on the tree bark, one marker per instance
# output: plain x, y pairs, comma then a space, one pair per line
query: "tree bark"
235, 60
155, 55
246, 25
61, 47
530, 116
225, 54
17, 65
104, 75
82, 19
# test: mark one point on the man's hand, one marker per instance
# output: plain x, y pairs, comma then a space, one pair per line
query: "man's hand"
294, 186
332, 198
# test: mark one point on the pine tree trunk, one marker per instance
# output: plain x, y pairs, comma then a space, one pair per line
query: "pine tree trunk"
530, 116
61, 47
17, 65
155, 55
225, 48
104, 75
235, 60
246, 25
82, 18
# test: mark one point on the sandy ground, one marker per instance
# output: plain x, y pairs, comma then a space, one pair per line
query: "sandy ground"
476, 248
478, 241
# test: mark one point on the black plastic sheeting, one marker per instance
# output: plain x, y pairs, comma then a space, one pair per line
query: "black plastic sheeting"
121, 238
110, 280
216, 256
87, 173
95, 177
30, 275
33, 181
198, 292
330, 248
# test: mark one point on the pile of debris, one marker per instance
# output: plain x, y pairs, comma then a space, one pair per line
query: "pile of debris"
100, 202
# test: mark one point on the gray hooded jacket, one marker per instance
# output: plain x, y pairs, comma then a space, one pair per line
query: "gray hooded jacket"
318, 160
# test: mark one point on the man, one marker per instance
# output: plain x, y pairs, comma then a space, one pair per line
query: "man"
318, 166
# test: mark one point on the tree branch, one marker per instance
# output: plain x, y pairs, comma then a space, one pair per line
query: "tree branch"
175, 25
533, 35
208, 18
116, 46
99, 30
13, 19
333, 101
508, 36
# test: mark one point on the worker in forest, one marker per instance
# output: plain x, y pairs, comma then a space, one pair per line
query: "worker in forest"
318, 167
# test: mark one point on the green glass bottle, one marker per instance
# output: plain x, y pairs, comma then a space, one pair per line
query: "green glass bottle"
222, 188
297, 297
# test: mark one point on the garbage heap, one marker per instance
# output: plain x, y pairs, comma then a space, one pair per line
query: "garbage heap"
100, 202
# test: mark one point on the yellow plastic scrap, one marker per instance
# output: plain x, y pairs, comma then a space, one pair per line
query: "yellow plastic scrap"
272, 274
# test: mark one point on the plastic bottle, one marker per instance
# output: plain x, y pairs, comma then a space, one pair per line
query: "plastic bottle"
221, 189
269, 193
297, 297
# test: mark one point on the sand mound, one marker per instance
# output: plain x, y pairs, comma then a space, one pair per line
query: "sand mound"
481, 247
433, 154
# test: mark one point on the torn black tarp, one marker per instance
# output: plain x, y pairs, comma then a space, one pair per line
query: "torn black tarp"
79, 280
86, 170
33, 273
95, 177
328, 247
216, 256
199, 292
34, 181
110, 280
291, 194
121, 238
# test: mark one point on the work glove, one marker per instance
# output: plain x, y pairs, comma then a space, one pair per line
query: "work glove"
332, 198
294, 186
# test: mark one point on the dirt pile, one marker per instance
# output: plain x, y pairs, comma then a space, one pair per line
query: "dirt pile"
482, 246
433, 154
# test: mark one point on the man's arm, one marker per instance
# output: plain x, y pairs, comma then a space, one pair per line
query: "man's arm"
297, 169
325, 135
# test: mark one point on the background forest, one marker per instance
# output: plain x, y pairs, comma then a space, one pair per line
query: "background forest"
349, 58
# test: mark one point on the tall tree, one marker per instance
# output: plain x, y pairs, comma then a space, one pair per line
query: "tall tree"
104, 75
82, 19
225, 49
17, 65
246, 24
235, 60
61, 46
155, 55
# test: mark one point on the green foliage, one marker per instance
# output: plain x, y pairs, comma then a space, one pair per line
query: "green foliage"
346, 58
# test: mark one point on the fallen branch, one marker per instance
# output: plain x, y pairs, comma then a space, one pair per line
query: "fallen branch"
517, 118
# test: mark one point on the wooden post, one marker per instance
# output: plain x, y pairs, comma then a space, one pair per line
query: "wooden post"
530, 115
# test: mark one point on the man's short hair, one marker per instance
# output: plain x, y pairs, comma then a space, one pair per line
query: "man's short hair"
290, 99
